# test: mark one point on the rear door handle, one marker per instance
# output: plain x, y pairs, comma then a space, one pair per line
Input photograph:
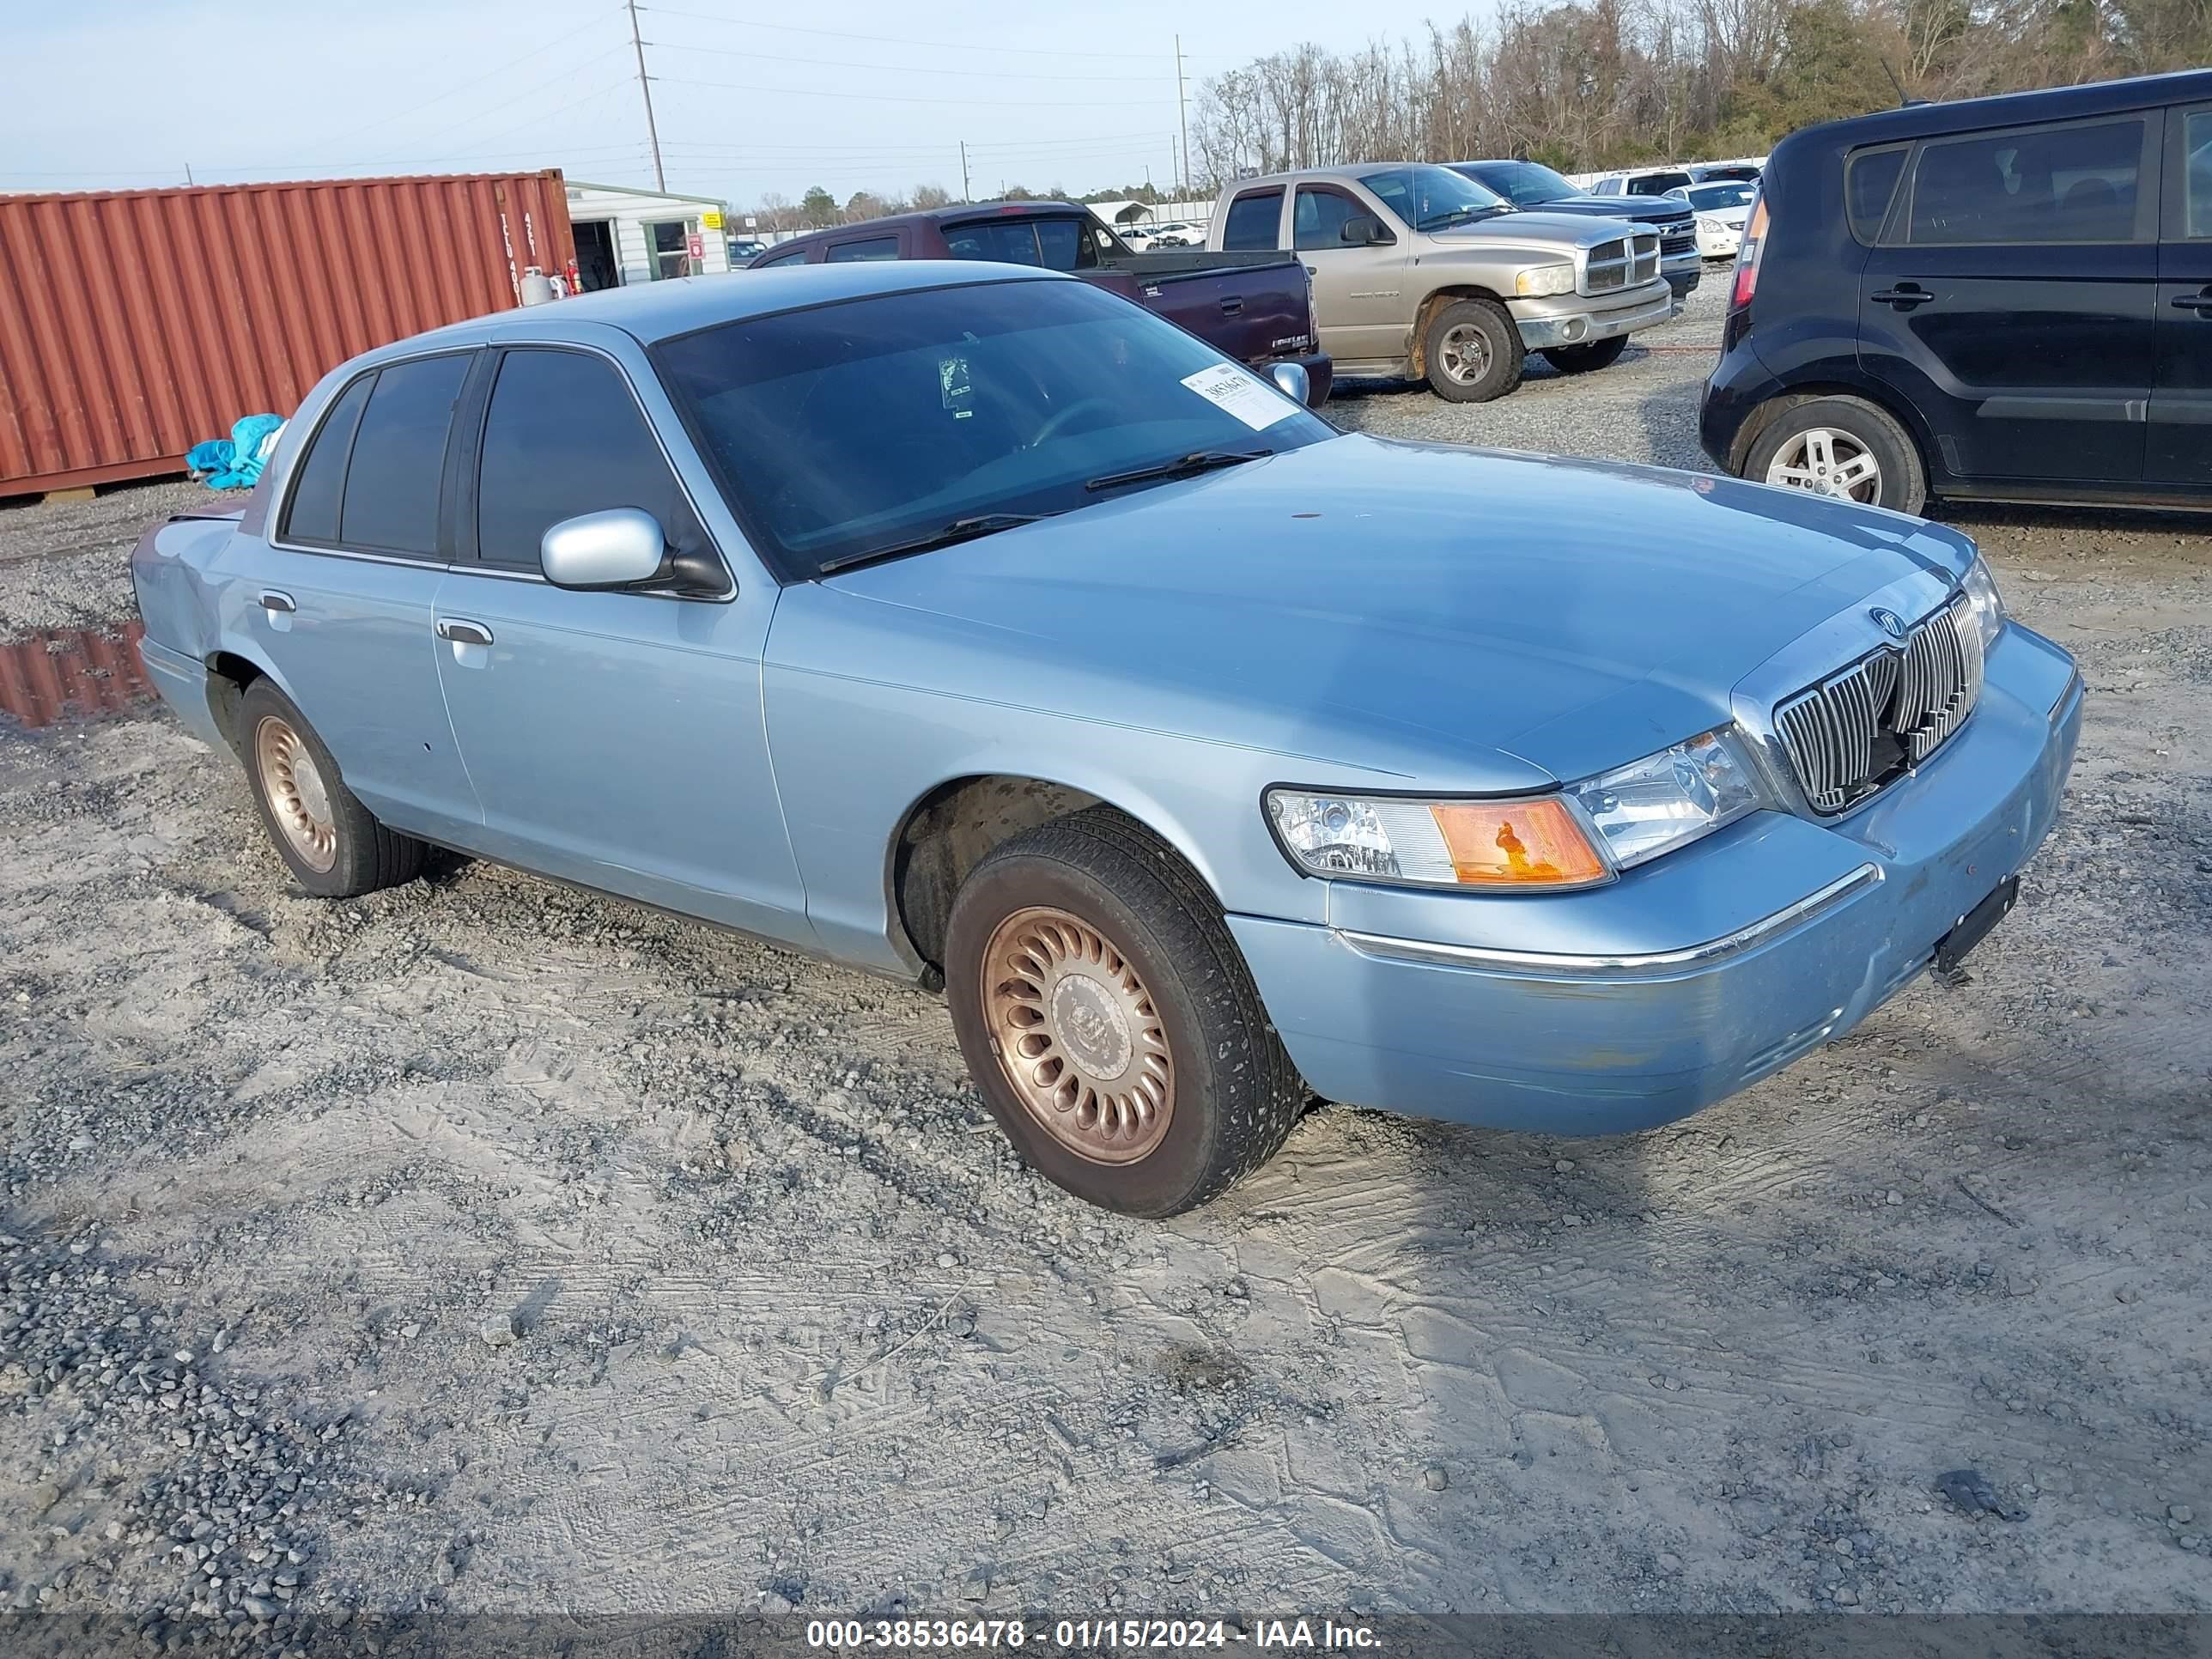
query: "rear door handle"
272, 601
2199, 303
1903, 297
462, 632
1233, 305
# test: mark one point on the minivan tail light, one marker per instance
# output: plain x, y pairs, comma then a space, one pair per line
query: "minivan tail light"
1746, 256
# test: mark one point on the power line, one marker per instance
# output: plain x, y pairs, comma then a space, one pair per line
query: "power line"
898, 69
894, 98
894, 39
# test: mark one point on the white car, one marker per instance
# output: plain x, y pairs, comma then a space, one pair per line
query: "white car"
1722, 208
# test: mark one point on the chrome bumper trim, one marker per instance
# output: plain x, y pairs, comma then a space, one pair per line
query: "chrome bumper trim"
1539, 333
1539, 964
2074, 688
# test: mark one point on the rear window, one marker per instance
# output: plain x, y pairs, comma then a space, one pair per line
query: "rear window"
1255, 221
1061, 244
875, 247
399, 463
2074, 184
1869, 181
1657, 184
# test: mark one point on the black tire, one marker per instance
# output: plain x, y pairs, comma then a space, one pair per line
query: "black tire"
1901, 483
1234, 1093
1503, 355
1587, 359
363, 855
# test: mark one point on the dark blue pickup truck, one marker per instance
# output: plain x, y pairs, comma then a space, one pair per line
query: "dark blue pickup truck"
1255, 307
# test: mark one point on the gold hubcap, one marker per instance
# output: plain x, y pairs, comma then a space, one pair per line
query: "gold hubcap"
1077, 1035
298, 799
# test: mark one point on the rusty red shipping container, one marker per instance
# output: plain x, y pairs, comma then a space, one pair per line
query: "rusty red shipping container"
133, 324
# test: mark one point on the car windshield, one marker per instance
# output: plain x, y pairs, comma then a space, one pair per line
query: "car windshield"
847, 429
1707, 198
1525, 184
1432, 197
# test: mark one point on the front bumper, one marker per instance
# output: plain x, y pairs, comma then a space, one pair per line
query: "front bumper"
1568, 320
1690, 978
1720, 243
1683, 271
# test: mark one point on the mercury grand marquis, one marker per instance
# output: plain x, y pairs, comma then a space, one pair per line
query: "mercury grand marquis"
974, 626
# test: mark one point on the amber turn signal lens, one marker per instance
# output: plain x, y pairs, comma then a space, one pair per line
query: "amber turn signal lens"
1522, 843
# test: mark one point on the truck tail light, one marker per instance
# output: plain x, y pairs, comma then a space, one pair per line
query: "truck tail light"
1747, 255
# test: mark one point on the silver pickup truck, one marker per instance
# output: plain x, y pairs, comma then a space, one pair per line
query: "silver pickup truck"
1419, 271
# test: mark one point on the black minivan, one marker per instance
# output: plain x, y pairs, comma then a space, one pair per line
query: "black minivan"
2003, 298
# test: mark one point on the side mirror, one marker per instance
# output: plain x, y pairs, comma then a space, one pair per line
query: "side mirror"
1292, 381
622, 547
1362, 230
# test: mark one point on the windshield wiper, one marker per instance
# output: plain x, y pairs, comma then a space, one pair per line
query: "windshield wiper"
1183, 466
960, 530
1462, 216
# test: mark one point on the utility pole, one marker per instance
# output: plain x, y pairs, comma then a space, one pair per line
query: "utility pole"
964, 195
188, 174
645, 86
1182, 116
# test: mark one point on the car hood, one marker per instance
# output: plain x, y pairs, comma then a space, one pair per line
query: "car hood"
1637, 210
1464, 618
1737, 216
1537, 229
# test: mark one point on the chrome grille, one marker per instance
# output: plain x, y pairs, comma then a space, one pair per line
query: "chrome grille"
1858, 729
1678, 236
1644, 251
1606, 268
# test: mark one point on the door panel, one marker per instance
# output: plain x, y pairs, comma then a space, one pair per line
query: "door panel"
2181, 403
1357, 294
2012, 300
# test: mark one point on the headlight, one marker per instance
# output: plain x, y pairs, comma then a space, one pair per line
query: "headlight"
1544, 279
1711, 226
1533, 842
1670, 798
1982, 599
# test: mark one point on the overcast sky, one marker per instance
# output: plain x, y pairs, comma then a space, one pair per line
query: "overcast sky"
750, 97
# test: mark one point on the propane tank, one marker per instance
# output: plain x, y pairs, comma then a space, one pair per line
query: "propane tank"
537, 287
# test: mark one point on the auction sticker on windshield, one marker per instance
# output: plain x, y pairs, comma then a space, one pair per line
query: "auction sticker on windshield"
1231, 388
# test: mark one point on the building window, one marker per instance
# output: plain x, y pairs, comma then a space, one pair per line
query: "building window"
666, 241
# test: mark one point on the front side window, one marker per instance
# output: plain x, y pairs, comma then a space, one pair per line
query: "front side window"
398, 463
1051, 243
564, 436
314, 514
1255, 222
844, 430
2074, 184
796, 256
1318, 219
875, 247
1433, 198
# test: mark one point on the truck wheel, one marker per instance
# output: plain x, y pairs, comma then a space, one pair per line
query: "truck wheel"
1474, 352
334, 845
1841, 447
1109, 1020
1585, 359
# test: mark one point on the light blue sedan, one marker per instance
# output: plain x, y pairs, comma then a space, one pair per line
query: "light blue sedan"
973, 626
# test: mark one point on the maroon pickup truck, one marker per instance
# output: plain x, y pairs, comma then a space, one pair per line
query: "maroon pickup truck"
1255, 307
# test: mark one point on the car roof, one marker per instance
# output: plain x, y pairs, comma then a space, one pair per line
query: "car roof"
2009, 109
660, 310
1353, 170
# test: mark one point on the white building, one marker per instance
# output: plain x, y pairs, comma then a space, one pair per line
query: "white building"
625, 236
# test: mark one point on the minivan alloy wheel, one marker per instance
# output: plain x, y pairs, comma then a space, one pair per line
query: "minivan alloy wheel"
1828, 462
298, 799
1077, 1033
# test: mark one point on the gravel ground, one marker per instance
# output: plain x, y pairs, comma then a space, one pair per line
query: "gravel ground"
489, 1246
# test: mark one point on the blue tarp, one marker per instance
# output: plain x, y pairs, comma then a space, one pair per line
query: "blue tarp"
235, 462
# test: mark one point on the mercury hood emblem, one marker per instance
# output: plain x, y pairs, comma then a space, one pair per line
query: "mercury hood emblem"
1889, 622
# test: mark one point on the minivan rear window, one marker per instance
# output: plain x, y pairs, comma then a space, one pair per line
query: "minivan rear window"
2044, 185
1870, 183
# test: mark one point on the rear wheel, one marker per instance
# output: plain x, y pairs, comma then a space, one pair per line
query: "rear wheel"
334, 846
1844, 448
1584, 359
1109, 1020
1473, 351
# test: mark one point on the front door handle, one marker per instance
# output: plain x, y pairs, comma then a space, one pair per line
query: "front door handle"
1903, 297
277, 603
461, 632
1233, 305
2199, 303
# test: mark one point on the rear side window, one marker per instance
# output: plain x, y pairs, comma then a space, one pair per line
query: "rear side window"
2074, 184
2197, 174
399, 457
1255, 221
313, 514
1869, 181
796, 256
1055, 244
564, 436
875, 247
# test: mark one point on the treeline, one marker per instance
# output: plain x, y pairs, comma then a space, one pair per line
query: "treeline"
1610, 82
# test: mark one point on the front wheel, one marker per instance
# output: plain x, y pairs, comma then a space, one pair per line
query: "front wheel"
1841, 447
1586, 359
1109, 1021
1473, 351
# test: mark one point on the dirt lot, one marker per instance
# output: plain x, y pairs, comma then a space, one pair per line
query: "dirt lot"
486, 1245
